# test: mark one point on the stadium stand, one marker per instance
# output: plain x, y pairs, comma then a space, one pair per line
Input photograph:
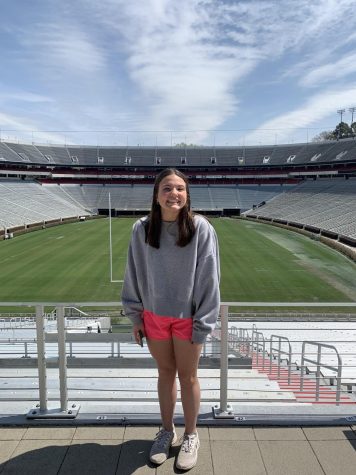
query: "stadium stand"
342, 338
24, 202
327, 204
138, 197
7, 155
59, 155
277, 155
310, 184
28, 153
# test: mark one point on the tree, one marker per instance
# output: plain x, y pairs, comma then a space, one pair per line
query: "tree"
353, 129
185, 145
342, 131
325, 135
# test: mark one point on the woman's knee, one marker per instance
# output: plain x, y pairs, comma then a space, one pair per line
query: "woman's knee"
187, 379
167, 372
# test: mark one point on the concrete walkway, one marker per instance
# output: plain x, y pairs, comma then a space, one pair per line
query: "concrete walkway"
123, 450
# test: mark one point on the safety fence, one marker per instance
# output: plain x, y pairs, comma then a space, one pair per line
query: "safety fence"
263, 360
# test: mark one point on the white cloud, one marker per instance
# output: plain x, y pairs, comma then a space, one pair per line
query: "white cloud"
331, 71
14, 128
312, 112
63, 48
187, 59
24, 96
168, 65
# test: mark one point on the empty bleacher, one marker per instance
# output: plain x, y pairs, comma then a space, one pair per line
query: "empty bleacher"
28, 153
59, 155
342, 337
328, 204
26, 202
143, 156
138, 197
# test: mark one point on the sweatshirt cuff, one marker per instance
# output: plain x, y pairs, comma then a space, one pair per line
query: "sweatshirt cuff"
135, 320
199, 336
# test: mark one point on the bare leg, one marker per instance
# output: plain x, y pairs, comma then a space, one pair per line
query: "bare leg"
187, 359
163, 352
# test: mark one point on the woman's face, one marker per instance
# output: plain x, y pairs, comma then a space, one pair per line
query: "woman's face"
171, 196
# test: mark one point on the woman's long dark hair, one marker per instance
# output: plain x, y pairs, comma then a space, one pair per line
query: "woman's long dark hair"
186, 227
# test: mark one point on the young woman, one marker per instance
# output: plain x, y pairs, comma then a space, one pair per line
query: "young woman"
171, 295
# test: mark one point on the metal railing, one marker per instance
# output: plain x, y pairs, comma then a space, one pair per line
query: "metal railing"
279, 352
318, 363
257, 341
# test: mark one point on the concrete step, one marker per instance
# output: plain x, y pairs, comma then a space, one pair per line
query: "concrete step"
327, 394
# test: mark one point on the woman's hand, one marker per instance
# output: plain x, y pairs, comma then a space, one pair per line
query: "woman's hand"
135, 331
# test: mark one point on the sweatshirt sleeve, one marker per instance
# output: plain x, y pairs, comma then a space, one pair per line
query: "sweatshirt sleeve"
206, 287
130, 297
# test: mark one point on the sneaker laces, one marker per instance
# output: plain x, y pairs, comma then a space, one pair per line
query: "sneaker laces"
163, 438
188, 443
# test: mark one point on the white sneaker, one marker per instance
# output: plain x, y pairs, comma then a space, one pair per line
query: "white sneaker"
188, 454
161, 445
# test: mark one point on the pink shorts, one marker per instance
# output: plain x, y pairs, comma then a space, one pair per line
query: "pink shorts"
164, 328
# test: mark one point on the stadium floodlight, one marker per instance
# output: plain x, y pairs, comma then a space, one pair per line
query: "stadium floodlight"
340, 111
352, 110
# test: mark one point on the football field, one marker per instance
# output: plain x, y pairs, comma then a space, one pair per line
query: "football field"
259, 263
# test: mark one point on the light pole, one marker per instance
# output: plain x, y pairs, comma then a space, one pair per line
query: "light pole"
352, 110
340, 111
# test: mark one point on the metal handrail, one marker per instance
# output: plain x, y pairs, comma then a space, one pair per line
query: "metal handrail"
318, 364
280, 352
234, 337
224, 407
240, 339
256, 341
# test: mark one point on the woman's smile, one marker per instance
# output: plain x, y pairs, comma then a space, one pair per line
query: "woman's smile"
172, 197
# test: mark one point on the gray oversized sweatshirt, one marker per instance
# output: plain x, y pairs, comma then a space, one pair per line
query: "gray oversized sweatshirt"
180, 282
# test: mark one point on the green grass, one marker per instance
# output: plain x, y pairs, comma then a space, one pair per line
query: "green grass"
269, 264
70, 263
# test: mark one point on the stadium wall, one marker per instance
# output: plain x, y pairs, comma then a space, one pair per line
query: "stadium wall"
27, 228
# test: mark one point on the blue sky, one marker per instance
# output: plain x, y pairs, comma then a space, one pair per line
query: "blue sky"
146, 72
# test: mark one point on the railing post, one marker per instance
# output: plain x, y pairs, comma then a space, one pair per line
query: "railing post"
224, 362
64, 412
319, 365
279, 357
318, 373
41, 409
62, 359
302, 362
256, 338
270, 354
338, 384
254, 329
41, 358
225, 410
289, 362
